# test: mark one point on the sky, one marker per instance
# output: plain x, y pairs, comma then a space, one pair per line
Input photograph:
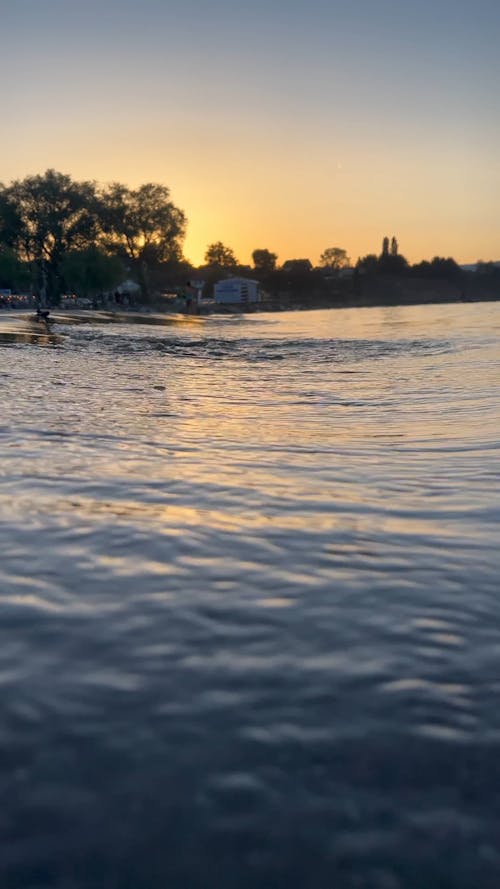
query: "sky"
291, 125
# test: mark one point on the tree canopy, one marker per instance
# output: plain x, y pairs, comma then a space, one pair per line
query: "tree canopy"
91, 271
50, 220
439, 267
59, 234
143, 224
217, 254
13, 272
368, 264
264, 261
45, 216
334, 258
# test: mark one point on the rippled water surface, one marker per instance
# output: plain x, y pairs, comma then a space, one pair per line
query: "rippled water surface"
250, 602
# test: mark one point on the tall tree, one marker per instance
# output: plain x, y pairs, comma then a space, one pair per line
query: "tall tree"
10, 222
91, 271
394, 247
219, 255
144, 225
14, 274
334, 258
45, 216
264, 261
385, 246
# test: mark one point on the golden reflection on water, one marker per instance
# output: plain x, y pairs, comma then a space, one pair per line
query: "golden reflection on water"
275, 576
136, 318
43, 337
22, 327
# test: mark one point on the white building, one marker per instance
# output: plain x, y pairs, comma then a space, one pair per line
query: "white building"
236, 291
128, 286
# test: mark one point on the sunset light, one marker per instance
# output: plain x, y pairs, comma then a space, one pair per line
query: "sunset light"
249, 444
331, 124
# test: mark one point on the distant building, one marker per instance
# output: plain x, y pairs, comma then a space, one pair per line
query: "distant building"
237, 291
128, 286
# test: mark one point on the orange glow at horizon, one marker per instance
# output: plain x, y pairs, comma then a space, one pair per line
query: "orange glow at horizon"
291, 132
291, 193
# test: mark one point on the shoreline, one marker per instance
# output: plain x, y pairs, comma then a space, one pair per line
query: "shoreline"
162, 315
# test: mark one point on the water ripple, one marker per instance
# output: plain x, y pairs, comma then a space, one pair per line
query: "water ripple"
249, 603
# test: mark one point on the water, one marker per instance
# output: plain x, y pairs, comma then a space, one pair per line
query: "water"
250, 610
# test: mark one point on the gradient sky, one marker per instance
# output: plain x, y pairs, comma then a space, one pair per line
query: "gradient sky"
288, 125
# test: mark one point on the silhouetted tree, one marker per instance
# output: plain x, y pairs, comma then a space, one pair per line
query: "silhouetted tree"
392, 264
385, 264
45, 216
334, 258
438, 268
166, 276
264, 261
394, 247
220, 256
10, 221
298, 280
445, 268
142, 224
367, 264
91, 271
385, 246
14, 275
422, 269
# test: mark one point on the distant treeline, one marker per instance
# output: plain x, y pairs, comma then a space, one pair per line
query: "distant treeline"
59, 236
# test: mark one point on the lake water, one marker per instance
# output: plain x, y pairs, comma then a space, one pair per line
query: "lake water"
250, 602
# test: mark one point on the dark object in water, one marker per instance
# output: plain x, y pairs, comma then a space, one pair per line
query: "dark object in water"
42, 315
